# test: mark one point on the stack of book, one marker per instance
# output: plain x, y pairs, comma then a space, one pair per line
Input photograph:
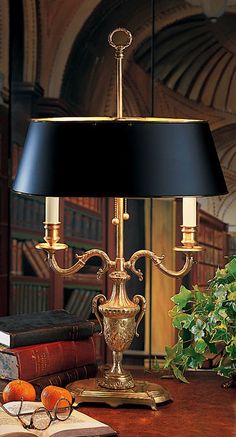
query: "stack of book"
47, 348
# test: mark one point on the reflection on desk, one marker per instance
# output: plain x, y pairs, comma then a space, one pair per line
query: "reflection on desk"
201, 408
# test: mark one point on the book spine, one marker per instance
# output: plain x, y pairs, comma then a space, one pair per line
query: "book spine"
61, 379
56, 333
28, 298
47, 358
32, 261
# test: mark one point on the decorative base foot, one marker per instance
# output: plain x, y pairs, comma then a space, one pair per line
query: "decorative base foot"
144, 393
115, 381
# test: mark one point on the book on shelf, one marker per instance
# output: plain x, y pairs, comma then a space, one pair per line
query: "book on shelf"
78, 424
92, 203
33, 361
80, 302
16, 155
61, 379
28, 297
27, 212
16, 257
44, 327
39, 257
32, 261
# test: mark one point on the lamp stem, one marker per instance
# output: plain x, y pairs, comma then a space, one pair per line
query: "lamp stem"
120, 234
119, 39
119, 91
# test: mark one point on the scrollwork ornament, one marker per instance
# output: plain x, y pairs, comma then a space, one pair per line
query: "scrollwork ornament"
139, 300
99, 299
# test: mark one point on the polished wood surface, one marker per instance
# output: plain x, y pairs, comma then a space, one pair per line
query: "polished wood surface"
201, 408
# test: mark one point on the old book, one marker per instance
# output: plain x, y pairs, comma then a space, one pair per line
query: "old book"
39, 257
29, 362
44, 327
31, 260
61, 379
78, 424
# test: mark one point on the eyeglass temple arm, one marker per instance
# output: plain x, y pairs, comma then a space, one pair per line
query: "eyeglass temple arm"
17, 414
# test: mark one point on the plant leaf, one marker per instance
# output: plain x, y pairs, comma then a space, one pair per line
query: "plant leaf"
182, 320
225, 370
231, 349
231, 267
199, 296
220, 292
174, 311
183, 297
220, 335
173, 353
179, 374
170, 355
198, 329
200, 346
195, 359
232, 295
156, 365
212, 348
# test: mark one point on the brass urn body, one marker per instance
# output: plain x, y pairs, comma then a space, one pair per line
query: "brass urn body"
117, 318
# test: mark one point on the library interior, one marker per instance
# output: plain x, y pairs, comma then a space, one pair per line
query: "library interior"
117, 146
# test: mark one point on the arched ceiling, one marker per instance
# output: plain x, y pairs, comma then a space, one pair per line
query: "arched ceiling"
197, 59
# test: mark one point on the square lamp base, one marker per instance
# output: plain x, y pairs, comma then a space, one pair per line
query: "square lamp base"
144, 393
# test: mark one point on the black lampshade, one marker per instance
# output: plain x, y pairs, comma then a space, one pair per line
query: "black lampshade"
130, 157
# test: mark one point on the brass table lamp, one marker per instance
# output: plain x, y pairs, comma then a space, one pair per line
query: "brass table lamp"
120, 157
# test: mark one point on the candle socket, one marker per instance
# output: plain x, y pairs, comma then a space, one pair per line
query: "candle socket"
189, 244
52, 233
51, 237
188, 239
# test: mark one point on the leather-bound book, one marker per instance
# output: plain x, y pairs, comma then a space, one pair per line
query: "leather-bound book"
61, 379
29, 362
44, 327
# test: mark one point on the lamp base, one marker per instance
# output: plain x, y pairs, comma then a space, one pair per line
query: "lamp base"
114, 381
144, 393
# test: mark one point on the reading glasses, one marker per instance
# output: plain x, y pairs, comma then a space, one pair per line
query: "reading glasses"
41, 418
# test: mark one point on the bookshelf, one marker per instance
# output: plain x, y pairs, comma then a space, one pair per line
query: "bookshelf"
82, 232
30, 277
213, 237
34, 287
4, 210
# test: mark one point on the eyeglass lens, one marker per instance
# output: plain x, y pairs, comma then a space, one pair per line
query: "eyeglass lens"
63, 409
41, 419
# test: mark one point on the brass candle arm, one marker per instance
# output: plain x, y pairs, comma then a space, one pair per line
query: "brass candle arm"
82, 259
109, 264
180, 273
157, 261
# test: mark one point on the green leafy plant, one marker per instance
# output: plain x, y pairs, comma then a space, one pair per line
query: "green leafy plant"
209, 319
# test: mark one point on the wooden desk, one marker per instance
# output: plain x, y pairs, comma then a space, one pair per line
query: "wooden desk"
199, 409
